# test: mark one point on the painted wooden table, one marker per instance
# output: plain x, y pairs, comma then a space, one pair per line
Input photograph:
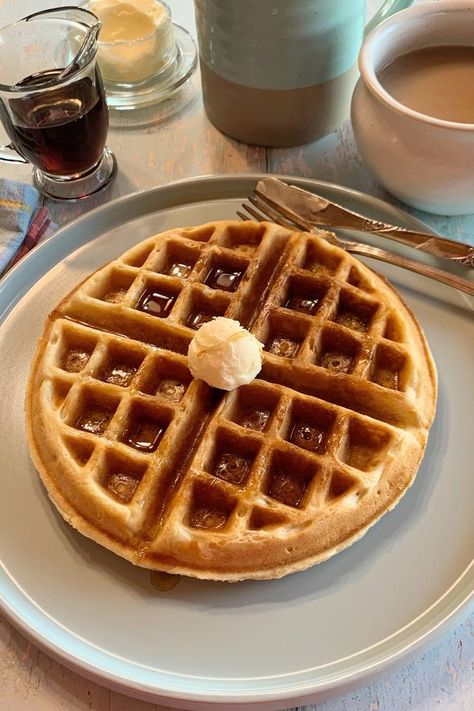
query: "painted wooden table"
182, 146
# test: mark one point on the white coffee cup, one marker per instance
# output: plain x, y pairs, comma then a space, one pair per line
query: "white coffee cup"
424, 161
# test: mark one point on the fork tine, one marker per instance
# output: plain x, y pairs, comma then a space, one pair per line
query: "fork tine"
243, 216
265, 214
261, 200
255, 215
274, 215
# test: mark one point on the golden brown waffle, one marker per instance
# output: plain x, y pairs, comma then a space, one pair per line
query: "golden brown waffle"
269, 479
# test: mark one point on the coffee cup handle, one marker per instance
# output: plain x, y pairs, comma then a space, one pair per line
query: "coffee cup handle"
9, 154
388, 8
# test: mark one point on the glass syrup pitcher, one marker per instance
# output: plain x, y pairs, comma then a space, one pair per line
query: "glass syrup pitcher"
52, 102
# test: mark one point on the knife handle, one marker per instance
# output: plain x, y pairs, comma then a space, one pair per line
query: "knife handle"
437, 246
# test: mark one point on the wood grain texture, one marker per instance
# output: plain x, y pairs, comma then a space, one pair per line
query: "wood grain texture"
165, 150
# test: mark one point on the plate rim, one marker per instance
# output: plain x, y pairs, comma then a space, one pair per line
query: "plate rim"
445, 609
289, 694
206, 181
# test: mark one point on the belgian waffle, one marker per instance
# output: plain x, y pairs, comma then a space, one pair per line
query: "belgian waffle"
257, 483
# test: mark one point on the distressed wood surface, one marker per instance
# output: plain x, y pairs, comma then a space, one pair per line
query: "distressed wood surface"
187, 145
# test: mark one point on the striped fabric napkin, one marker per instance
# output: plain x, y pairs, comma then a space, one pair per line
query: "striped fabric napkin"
22, 222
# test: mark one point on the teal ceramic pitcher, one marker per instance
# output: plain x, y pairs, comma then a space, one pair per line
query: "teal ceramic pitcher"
281, 72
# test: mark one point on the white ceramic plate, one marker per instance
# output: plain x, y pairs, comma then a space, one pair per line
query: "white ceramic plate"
271, 644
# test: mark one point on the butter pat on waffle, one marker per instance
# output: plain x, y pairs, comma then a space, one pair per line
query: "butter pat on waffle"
259, 482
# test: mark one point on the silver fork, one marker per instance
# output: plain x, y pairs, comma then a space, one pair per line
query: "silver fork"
262, 211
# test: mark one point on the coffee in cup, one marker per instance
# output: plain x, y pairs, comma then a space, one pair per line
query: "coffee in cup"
436, 81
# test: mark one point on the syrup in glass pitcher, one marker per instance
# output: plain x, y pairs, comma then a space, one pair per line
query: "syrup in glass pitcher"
52, 102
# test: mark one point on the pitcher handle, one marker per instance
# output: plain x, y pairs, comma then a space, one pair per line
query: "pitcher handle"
9, 154
388, 8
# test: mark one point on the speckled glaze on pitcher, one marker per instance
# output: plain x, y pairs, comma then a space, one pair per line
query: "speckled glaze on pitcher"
280, 72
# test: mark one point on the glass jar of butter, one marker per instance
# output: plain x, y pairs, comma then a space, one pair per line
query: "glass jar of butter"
143, 57
136, 40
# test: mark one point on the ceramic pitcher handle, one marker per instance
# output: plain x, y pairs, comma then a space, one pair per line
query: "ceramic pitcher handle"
387, 9
8, 154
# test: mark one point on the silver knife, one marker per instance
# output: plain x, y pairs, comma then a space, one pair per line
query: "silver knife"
317, 211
